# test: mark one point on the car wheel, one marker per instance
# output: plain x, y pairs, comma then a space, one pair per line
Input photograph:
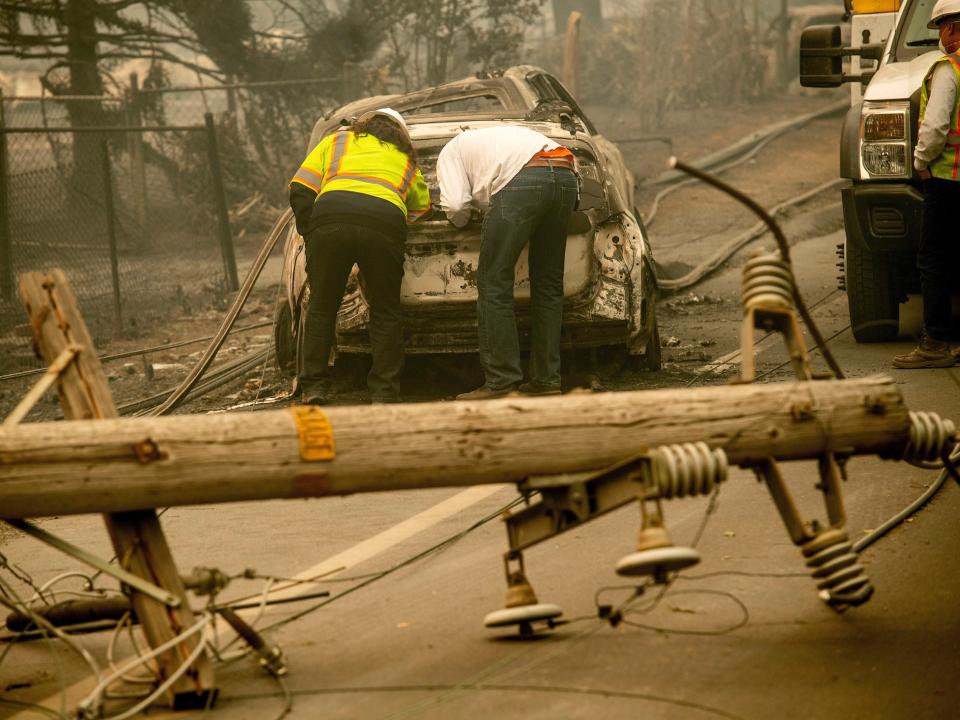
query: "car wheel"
653, 357
284, 343
871, 296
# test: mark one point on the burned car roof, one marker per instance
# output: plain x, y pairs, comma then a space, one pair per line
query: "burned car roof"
520, 92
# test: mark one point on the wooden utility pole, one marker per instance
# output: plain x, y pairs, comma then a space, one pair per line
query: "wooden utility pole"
138, 170
78, 467
6, 239
571, 54
783, 43
136, 536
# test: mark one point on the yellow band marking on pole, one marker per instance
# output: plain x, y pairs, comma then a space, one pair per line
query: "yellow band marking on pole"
315, 432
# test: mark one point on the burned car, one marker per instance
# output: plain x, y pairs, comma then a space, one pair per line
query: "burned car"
609, 283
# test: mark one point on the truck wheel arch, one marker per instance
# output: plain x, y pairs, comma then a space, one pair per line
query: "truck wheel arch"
850, 144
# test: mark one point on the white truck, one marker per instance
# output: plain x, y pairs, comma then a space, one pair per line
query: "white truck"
882, 202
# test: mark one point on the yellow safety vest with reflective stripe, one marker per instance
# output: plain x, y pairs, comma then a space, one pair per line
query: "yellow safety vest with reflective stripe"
366, 165
947, 163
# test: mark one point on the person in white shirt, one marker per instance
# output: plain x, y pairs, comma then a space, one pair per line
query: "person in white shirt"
526, 185
936, 161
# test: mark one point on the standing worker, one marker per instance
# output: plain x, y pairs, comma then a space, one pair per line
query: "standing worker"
353, 198
936, 160
527, 184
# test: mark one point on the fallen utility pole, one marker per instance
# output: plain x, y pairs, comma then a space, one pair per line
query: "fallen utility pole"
137, 537
116, 465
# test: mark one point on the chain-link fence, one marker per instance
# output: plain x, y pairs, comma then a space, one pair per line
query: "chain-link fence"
264, 127
140, 199
81, 214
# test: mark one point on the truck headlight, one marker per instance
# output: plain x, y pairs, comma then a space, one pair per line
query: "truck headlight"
885, 140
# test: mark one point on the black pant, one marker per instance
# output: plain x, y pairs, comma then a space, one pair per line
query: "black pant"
331, 251
938, 241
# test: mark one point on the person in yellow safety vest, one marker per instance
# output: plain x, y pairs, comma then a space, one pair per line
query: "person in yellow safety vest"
353, 197
937, 164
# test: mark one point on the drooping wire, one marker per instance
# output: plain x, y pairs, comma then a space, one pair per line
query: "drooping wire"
782, 245
93, 701
949, 470
502, 687
442, 545
33, 707
11, 599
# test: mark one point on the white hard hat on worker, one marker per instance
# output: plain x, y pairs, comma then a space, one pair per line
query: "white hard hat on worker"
942, 11
388, 113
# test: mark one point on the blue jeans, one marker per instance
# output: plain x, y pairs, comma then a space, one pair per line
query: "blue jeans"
533, 208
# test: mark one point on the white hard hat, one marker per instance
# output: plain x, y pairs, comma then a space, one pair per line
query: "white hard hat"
942, 10
387, 112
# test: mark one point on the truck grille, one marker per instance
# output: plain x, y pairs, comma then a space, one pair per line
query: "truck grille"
887, 222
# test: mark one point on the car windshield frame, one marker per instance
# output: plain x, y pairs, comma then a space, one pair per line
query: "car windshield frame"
914, 38
458, 90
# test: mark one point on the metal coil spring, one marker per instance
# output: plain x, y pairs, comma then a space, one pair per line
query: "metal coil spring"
767, 280
930, 437
688, 469
836, 569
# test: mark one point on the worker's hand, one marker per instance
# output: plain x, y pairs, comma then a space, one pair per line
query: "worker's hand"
924, 174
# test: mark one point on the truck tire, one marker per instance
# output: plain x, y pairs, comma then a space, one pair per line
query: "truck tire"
871, 294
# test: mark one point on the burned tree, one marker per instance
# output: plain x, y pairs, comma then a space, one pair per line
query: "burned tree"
83, 39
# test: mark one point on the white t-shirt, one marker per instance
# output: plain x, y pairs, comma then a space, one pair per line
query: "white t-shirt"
476, 164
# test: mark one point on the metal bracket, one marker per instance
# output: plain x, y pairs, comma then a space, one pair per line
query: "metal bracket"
147, 588
782, 320
568, 501
799, 530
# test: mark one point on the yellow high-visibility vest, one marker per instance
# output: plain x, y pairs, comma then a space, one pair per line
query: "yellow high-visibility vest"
364, 164
947, 163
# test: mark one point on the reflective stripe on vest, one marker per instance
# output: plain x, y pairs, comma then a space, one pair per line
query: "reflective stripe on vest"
312, 180
336, 156
408, 172
945, 166
340, 149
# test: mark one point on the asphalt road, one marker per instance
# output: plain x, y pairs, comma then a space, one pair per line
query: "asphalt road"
742, 635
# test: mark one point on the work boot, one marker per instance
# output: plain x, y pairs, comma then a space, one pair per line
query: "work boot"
530, 388
929, 353
313, 396
486, 393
